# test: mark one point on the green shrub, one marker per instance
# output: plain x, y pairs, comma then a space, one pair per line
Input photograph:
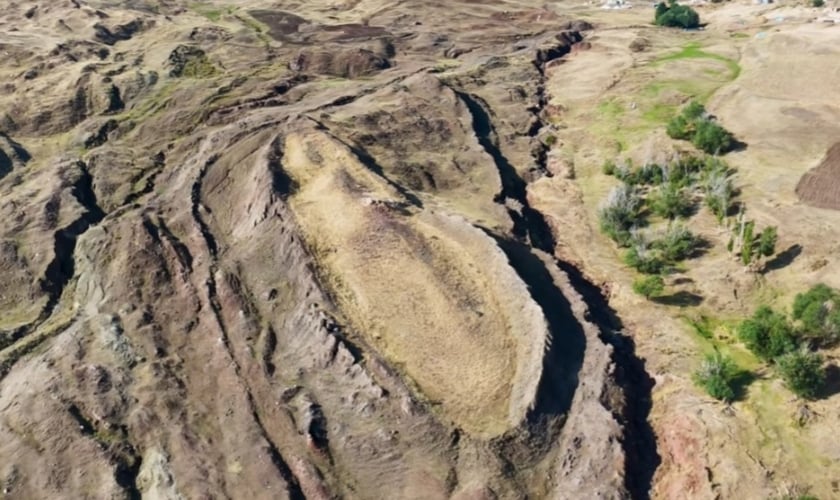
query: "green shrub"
649, 286
802, 372
818, 311
619, 213
693, 124
677, 243
767, 241
767, 334
608, 168
680, 128
710, 137
747, 242
645, 259
675, 15
717, 376
670, 202
749, 245
694, 110
817, 3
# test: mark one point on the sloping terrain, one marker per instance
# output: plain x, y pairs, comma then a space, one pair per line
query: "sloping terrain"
819, 187
284, 251
350, 249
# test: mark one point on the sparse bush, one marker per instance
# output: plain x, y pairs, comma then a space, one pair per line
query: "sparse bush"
645, 259
670, 202
682, 172
608, 168
650, 174
749, 245
619, 213
677, 243
675, 15
802, 372
719, 193
767, 334
818, 311
717, 376
649, 286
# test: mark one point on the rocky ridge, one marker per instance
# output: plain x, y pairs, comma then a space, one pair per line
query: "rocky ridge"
252, 278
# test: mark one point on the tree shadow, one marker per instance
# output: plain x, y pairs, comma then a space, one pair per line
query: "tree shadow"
782, 259
565, 351
681, 299
832, 382
737, 146
740, 382
682, 280
642, 454
701, 247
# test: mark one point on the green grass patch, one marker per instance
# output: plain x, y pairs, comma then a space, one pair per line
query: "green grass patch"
212, 13
610, 109
659, 112
693, 51
703, 326
696, 89
713, 333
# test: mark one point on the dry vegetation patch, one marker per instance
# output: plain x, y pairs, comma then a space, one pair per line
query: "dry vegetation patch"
433, 293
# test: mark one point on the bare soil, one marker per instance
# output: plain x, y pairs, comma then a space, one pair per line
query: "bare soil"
820, 187
350, 250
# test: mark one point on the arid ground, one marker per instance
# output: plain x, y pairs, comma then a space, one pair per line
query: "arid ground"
351, 249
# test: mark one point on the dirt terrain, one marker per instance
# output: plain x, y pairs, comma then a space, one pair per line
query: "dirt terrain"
350, 249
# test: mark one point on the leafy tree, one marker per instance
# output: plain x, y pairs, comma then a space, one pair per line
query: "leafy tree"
767, 334
694, 110
661, 9
619, 213
649, 286
717, 376
671, 202
680, 128
802, 372
675, 15
710, 137
818, 311
694, 124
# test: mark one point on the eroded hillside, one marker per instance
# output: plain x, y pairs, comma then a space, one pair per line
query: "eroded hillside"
285, 251
349, 249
